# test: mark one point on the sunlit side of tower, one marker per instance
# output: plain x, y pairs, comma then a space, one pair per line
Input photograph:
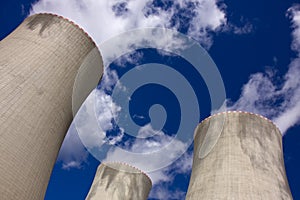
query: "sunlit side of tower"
39, 63
115, 181
238, 155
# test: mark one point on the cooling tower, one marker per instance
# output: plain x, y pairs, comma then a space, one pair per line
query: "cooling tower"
117, 181
39, 63
238, 155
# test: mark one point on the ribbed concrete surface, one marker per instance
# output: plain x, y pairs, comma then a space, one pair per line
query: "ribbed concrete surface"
117, 181
38, 65
245, 163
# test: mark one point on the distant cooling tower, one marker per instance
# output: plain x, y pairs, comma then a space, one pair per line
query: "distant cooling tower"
238, 155
39, 63
116, 181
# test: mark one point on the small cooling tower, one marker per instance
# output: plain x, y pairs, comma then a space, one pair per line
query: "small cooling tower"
117, 181
238, 156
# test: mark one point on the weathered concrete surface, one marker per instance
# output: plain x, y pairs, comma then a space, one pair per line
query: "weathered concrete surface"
38, 65
116, 181
245, 163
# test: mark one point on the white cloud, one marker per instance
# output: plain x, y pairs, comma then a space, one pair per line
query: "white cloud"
72, 165
106, 18
161, 192
184, 163
89, 129
245, 29
279, 102
161, 149
181, 166
106, 110
294, 14
72, 153
92, 125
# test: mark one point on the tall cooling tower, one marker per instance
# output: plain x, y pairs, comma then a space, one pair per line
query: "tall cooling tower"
117, 181
238, 155
39, 63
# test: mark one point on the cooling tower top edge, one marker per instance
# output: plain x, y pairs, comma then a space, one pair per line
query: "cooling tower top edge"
137, 170
239, 112
69, 21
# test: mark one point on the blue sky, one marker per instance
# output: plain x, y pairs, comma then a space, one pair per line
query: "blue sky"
255, 45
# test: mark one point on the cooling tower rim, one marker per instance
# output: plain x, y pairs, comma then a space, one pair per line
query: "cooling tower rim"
128, 165
235, 112
70, 22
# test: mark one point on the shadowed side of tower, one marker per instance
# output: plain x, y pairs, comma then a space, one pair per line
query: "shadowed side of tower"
39, 63
117, 181
244, 162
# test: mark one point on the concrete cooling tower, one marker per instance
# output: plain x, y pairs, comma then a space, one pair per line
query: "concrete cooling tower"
117, 181
238, 155
39, 63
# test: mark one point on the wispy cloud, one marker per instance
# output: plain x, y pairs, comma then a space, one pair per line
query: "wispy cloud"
276, 97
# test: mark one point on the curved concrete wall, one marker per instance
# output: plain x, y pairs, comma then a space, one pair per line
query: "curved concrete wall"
39, 62
246, 161
116, 181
